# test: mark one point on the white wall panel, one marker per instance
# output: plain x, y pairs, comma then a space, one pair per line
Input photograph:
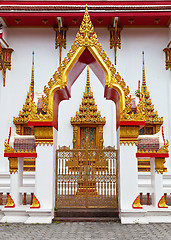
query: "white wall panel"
129, 64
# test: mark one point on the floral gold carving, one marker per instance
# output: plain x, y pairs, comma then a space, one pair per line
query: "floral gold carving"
5, 56
35, 203
151, 116
10, 202
86, 37
44, 135
162, 202
167, 51
159, 165
129, 134
25, 113
8, 149
115, 39
136, 203
165, 148
13, 165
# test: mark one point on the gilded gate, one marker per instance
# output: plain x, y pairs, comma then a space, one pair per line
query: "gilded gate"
86, 178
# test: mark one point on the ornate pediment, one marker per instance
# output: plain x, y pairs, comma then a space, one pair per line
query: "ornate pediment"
88, 113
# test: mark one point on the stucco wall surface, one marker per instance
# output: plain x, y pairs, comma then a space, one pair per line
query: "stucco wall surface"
129, 64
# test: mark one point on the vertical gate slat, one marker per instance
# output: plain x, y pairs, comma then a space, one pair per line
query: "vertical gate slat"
86, 178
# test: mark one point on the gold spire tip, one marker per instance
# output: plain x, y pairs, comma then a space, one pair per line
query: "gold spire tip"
86, 9
144, 80
88, 77
143, 57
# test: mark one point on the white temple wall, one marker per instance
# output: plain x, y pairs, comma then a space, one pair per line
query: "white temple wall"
44, 183
13, 95
129, 65
169, 99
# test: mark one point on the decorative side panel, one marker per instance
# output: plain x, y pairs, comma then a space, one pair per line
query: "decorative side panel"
129, 134
44, 135
13, 164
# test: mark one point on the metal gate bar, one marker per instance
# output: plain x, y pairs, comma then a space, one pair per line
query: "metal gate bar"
86, 178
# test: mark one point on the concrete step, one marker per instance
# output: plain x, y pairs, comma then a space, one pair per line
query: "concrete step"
84, 219
86, 214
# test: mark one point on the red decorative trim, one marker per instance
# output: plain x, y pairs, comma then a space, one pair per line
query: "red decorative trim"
43, 124
1, 35
72, 10
135, 203
152, 155
13, 203
159, 202
82, 7
31, 155
132, 123
92, 14
163, 135
4, 2
9, 135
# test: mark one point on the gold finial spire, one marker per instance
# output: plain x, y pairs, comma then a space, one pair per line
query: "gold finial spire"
88, 77
32, 78
87, 87
144, 87
86, 35
144, 81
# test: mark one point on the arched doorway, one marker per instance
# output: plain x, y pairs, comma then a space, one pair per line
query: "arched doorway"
86, 50
86, 174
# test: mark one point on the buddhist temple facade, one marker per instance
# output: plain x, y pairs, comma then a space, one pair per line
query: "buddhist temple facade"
85, 110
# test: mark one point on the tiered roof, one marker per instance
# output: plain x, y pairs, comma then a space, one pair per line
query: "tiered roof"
151, 116
88, 110
24, 114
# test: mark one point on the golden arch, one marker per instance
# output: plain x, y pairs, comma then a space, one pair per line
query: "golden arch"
108, 75
86, 44
86, 50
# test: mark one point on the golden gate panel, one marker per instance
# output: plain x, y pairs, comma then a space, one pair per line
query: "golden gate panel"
86, 178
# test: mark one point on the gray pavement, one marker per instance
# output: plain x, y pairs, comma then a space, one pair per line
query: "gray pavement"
85, 231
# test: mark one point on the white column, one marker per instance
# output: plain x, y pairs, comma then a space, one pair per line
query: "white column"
55, 134
44, 176
169, 109
20, 171
14, 188
157, 184
128, 176
16, 181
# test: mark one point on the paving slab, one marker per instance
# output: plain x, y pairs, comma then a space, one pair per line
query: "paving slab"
85, 231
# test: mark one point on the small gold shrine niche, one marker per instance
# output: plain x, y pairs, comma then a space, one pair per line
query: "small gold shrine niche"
88, 123
115, 37
60, 39
167, 51
5, 60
